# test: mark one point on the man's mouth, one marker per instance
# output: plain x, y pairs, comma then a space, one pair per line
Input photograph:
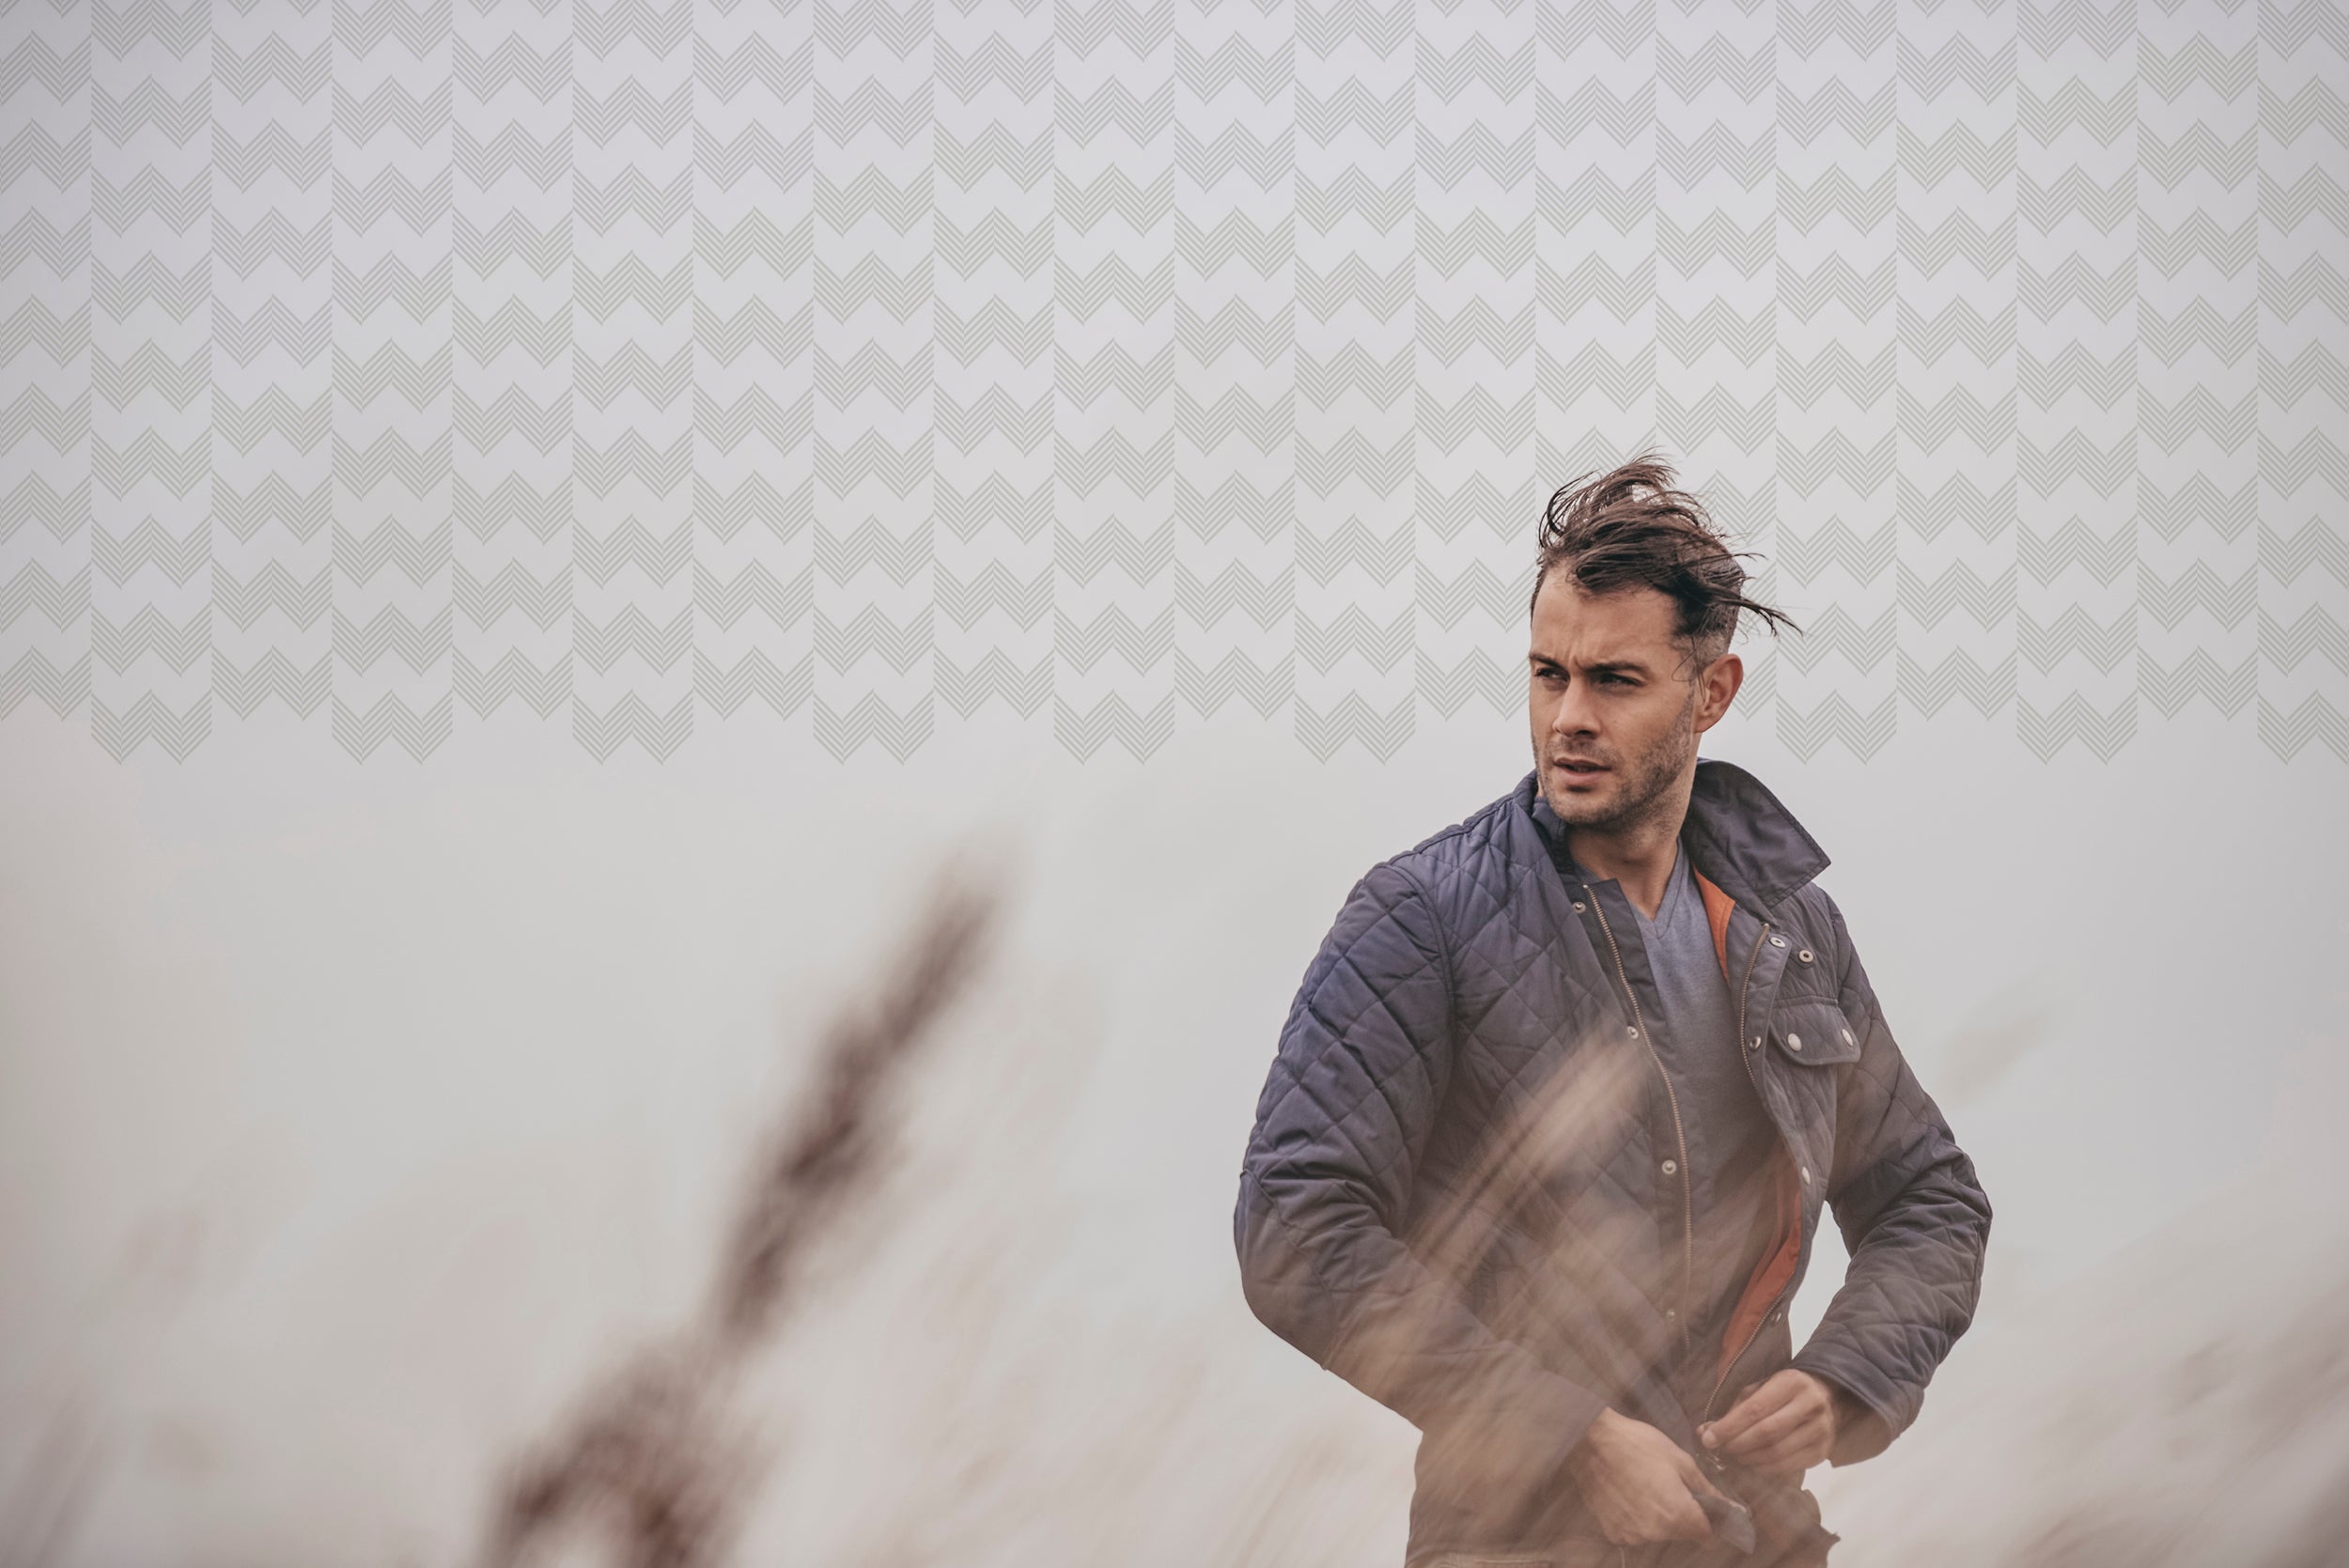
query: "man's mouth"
1576, 768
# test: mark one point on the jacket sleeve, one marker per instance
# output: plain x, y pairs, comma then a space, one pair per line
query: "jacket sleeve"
1364, 1061
1915, 1221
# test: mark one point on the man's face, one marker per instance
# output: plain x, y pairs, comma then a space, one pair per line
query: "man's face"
1615, 718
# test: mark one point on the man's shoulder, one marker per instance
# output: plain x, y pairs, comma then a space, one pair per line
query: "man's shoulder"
1467, 855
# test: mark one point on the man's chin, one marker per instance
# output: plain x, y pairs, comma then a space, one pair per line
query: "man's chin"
1581, 808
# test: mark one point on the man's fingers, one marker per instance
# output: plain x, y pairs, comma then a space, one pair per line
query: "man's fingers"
1758, 1403
1770, 1430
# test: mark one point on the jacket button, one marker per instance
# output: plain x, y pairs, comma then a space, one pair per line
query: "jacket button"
1805, 1175
1757, 1042
1804, 955
1671, 1166
1777, 942
1632, 1030
1794, 1042
1847, 1039
1670, 1314
1776, 1314
1578, 906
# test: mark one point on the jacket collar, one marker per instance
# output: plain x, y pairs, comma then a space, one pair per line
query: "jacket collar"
1737, 832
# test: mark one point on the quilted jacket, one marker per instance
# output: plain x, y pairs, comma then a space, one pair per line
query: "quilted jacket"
1499, 1289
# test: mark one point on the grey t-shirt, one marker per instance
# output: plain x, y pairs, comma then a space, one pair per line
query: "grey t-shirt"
1731, 1138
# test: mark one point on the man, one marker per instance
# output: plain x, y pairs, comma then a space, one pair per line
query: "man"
1565, 1093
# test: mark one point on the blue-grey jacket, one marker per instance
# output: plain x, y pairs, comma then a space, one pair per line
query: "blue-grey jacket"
1501, 1315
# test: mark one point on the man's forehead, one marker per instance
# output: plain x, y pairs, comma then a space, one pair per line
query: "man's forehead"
1627, 627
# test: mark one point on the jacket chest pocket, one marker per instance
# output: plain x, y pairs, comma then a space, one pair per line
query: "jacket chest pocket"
1811, 1041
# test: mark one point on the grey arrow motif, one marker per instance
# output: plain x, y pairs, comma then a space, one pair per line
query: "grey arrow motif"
631, 630
274, 237
2316, 191
784, 515
630, 718
418, 645
1836, 106
273, 500
302, 426
119, 119
659, 382
785, 602
513, 411
273, 62
660, 557
1804, 470
1510, 515
419, 295
1352, 543
1864, 382
2198, 235
2198, 412
1863, 32
1142, 28
149, 456
1473, 674
1141, 644
995, 60
2198, 61
1717, 236
1624, 207
1265, 250
2317, 103
2198, 675
2313, 369
1687, 74
1592, 105
2286, 733
1207, 338
61, 601
120, 556
1986, 688
1863, 645
1716, 413
121, 28
1206, 688
273, 674
484, 691
1477, 149
1023, 691
418, 118
1836, 194
2074, 102
632, 103
1324, 28
1835, 280
1208, 426
1140, 207
841, 556
1715, 148
1931, 73
871, 720
1206, 601
1355, 194
995, 236
1082, 119
1266, 164
1113, 718
1718, 325
1958, 411
1140, 382
1986, 600
1593, 280
995, 325
61, 250
1561, 28
483, 600
1353, 282
1234, 60
2169, 513
784, 251
754, 147
1624, 382
391, 194
115, 383
786, 76
2315, 280
2313, 632
1352, 631
2227, 600
1353, 105
1323, 381
119, 207
2046, 556
1353, 457
1930, 162
2049, 25
513, 60
360, 556
2072, 456
1836, 543
178, 735
2287, 28
966, 600
995, 149
2046, 645
871, 105
2106, 206
2315, 543
1477, 60
2288, 468
2197, 149
1836, 719
1141, 554
1381, 735
2198, 325
996, 413
1140, 469
61, 73
2075, 281
1206, 514
1447, 601
389, 370
658, 31
360, 28
149, 631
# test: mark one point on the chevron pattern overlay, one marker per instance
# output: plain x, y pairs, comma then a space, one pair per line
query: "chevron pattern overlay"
1100, 366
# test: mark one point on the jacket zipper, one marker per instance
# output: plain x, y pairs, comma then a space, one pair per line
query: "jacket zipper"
1688, 1200
1744, 986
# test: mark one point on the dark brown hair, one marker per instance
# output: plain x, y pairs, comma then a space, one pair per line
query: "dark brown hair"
1631, 529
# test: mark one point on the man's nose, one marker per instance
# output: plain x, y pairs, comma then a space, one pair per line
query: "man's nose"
1572, 715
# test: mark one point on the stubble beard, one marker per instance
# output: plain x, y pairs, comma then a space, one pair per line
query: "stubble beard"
1647, 776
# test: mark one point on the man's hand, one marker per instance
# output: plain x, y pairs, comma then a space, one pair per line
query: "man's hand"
1639, 1483
1781, 1427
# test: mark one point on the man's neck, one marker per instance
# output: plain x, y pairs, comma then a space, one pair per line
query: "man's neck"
1639, 856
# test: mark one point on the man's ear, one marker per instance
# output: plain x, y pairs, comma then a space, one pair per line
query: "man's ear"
1716, 688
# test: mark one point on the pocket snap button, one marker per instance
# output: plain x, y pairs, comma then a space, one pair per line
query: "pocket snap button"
1777, 942
1804, 955
1794, 1042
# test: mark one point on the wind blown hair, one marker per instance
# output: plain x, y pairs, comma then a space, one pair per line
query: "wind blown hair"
1630, 528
